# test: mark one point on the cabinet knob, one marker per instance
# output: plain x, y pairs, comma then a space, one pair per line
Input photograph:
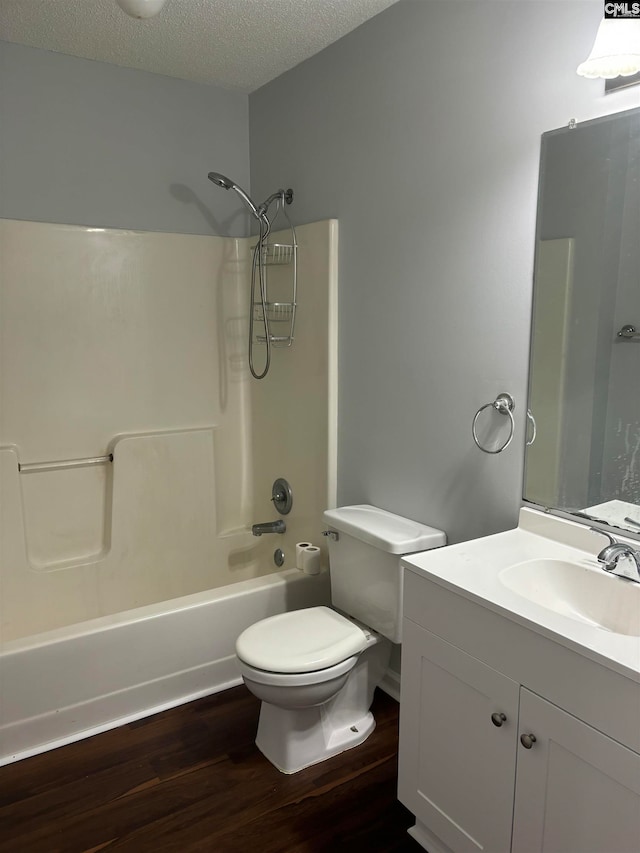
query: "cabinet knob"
527, 740
498, 719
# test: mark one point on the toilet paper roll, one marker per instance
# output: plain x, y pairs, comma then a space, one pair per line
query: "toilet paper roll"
300, 546
311, 560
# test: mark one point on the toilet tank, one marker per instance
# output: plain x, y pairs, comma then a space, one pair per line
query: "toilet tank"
365, 547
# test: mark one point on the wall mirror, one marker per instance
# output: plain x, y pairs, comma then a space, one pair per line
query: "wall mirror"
583, 435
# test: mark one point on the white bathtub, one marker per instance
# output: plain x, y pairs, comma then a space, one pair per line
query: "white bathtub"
71, 683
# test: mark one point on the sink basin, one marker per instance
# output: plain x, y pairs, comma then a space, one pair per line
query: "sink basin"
585, 594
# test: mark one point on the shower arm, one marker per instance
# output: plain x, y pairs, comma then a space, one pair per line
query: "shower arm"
283, 196
259, 211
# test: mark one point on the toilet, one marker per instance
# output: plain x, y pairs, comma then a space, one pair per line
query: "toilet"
316, 669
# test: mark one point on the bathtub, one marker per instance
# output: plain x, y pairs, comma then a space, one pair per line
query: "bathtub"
71, 683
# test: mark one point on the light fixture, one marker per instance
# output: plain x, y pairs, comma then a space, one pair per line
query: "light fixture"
616, 50
141, 8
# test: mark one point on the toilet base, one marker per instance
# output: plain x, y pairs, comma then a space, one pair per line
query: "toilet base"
294, 739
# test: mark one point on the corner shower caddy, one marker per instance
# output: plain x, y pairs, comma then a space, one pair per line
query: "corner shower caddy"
281, 313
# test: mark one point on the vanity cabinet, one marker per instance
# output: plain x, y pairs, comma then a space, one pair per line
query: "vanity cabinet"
457, 765
577, 790
485, 763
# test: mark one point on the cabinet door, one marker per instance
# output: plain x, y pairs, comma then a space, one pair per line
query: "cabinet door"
456, 767
577, 790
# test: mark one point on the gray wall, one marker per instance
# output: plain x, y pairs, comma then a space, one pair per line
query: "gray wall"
420, 131
88, 143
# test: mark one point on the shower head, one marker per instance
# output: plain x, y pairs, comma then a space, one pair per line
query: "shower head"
221, 180
227, 184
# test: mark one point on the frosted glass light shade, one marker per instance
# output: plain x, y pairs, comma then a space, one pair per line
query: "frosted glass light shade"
141, 8
616, 50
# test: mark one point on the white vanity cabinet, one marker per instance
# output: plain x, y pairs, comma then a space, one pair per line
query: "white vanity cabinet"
457, 765
472, 688
577, 790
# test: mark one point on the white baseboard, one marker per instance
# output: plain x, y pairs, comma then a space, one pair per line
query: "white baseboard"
391, 684
427, 839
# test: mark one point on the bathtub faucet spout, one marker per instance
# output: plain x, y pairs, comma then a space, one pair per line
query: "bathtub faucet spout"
269, 527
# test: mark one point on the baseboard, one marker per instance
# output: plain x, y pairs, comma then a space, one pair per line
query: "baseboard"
391, 684
427, 839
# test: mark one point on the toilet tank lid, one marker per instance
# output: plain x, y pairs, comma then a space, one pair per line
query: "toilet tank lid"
391, 533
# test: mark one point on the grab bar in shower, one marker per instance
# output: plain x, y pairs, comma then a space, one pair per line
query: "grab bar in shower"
34, 467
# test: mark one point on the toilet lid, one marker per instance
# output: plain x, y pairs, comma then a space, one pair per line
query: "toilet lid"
300, 641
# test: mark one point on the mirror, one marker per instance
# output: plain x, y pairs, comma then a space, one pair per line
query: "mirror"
583, 437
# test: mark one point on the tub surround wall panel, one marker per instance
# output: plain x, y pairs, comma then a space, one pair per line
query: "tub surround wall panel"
134, 344
420, 131
119, 342
293, 421
106, 332
92, 143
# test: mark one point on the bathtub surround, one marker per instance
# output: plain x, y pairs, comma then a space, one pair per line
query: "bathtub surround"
132, 346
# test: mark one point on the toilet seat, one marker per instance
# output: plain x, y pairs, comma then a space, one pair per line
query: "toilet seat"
297, 679
301, 641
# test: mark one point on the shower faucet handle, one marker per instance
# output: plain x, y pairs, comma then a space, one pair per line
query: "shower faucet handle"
282, 496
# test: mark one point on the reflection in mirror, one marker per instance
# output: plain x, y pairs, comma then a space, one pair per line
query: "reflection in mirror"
584, 381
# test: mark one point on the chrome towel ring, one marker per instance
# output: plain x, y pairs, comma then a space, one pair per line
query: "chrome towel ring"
504, 404
534, 428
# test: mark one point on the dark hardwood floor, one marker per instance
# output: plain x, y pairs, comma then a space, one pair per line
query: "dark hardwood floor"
192, 779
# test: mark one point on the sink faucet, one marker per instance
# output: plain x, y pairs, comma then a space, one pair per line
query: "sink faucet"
613, 553
269, 527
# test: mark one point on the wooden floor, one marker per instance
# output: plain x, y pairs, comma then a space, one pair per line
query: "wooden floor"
192, 779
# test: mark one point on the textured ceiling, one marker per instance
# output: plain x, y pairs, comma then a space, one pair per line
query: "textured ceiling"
236, 44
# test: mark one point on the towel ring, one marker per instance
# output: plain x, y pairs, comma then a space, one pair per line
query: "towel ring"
534, 428
504, 404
